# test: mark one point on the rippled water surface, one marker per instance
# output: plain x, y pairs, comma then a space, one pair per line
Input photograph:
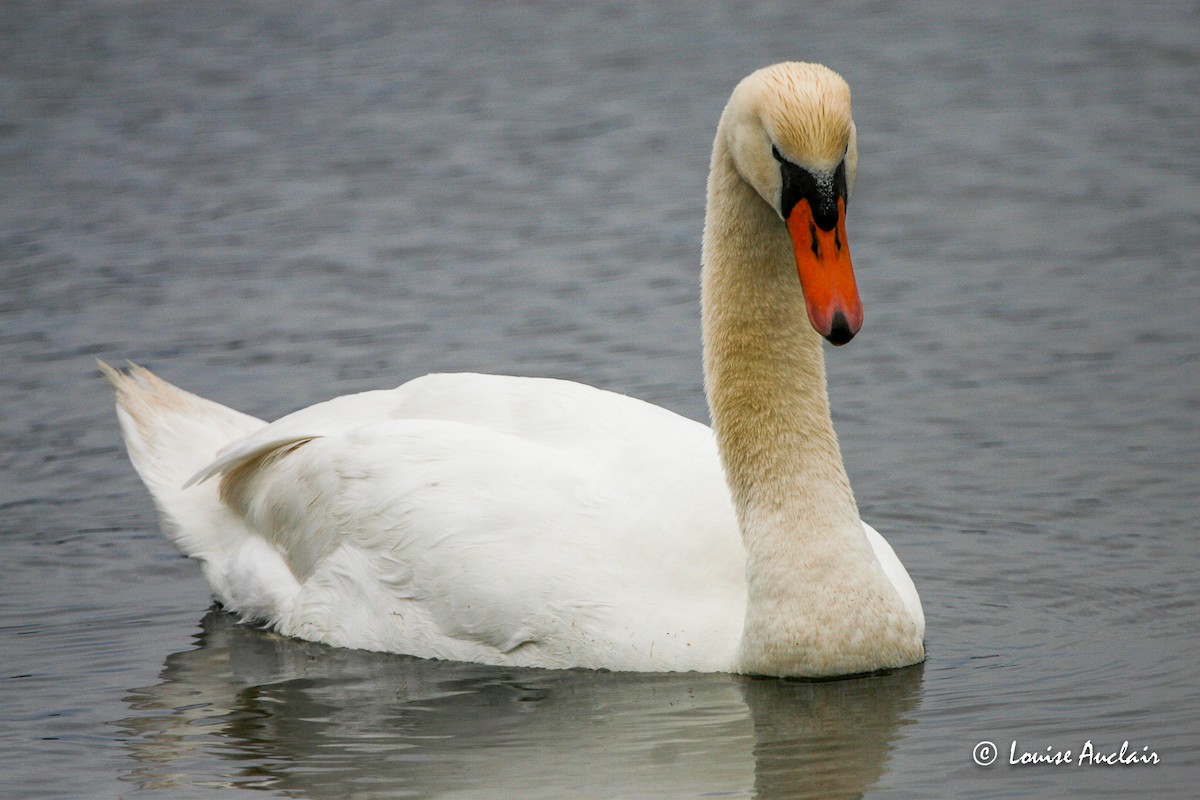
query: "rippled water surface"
274, 203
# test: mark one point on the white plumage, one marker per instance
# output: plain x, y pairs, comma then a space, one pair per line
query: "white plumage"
545, 523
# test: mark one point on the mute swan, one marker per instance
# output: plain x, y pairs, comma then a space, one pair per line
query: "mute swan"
538, 522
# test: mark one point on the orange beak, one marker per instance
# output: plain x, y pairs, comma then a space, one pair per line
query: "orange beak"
826, 275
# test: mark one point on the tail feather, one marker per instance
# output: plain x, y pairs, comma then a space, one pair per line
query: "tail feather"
171, 435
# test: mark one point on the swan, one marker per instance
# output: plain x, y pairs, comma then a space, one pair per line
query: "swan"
544, 523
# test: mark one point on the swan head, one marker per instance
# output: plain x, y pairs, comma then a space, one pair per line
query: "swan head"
789, 132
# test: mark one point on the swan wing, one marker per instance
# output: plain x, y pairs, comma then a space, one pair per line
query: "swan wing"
894, 569
496, 519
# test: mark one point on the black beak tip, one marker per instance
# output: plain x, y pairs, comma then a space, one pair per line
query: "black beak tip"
839, 330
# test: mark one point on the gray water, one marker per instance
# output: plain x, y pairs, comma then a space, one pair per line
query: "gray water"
274, 203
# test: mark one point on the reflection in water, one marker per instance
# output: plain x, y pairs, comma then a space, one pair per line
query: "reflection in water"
250, 709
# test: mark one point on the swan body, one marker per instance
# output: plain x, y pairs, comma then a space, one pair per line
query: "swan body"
538, 522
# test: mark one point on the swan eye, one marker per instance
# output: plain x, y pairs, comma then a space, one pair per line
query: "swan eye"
778, 155
839, 182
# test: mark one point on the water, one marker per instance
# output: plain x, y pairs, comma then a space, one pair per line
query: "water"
271, 204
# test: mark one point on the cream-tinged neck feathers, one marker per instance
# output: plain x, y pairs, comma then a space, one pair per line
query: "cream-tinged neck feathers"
818, 601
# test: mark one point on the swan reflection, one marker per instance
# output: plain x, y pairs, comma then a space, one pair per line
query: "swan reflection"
250, 709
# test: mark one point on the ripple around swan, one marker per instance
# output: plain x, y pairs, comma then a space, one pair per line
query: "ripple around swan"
300, 716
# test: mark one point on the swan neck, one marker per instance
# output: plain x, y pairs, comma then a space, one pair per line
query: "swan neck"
817, 602
764, 366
